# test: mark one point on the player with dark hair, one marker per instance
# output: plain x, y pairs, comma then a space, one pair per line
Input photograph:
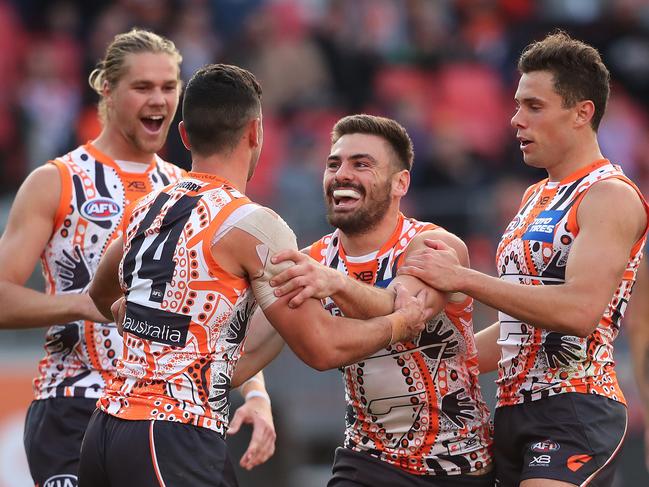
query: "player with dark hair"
415, 414
567, 263
193, 262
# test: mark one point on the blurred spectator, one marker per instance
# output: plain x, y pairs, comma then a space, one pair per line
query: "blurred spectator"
194, 37
12, 41
50, 97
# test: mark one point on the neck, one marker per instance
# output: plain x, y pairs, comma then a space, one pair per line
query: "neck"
227, 166
580, 156
112, 143
373, 239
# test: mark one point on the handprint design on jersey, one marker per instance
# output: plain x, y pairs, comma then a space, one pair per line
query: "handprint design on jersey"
73, 270
534, 250
415, 405
81, 356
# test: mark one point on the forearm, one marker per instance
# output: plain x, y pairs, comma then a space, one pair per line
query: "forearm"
348, 341
560, 308
358, 300
254, 383
25, 308
252, 362
488, 349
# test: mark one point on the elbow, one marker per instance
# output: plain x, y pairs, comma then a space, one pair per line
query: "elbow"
581, 322
319, 362
318, 358
101, 302
96, 297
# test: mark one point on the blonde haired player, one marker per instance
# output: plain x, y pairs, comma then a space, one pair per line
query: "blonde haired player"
66, 213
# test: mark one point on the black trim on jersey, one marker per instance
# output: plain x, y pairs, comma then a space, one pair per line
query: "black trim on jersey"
100, 180
618, 312
165, 179
568, 192
70, 381
554, 270
334, 262
529, 200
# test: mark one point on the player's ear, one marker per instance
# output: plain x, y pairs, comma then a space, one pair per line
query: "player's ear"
107, 94
584, 112
183, 135
255, 132
400, 183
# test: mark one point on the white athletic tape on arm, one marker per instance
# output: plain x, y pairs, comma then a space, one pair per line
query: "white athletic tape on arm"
274, 235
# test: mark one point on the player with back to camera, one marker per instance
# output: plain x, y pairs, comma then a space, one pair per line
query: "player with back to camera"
192, 263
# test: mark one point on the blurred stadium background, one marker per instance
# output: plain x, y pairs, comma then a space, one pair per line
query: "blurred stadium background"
443, 68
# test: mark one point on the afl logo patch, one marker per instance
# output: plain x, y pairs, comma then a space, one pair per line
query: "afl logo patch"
100, 209
545, 446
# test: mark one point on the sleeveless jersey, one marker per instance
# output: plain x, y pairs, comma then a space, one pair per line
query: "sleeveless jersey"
416, 405
81, 356
186, 317
533, 251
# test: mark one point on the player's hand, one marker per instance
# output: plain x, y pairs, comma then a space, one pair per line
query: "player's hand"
257, 412
316, 280
89, 311
118, 309
438, 266
414, 314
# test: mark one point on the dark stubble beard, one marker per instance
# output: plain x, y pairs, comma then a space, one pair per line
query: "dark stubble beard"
364, 219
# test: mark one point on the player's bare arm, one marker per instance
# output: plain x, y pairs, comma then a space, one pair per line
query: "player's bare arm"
104, 287
355, 298
488, 349
262, 345
308, 277
321, 341
29, 228
595, 266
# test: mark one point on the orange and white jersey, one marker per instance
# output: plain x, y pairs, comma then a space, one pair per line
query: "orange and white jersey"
81, 356
416, 405
186, 317
534, 251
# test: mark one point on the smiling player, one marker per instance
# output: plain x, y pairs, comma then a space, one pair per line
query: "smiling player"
67, 212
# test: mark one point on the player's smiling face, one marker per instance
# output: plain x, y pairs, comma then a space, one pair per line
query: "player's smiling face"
357, 182
143, 103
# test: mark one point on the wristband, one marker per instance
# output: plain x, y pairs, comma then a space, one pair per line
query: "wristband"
257, 393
